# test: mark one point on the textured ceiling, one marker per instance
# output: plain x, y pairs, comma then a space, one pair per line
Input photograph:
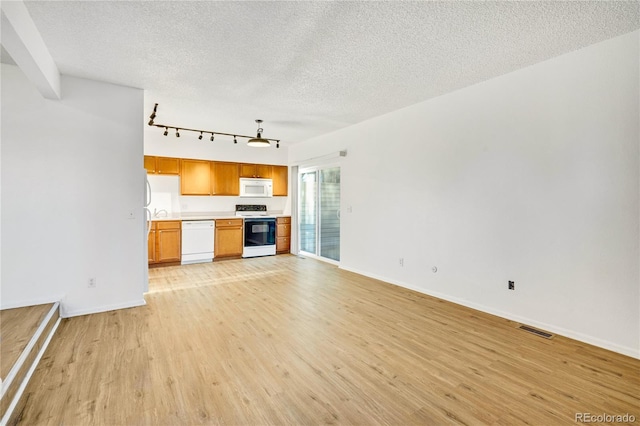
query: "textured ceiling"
308, 68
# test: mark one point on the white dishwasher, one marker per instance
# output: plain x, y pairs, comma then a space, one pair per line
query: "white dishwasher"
197, 241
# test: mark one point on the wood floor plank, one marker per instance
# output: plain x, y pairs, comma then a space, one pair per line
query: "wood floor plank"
285, 340
17, 326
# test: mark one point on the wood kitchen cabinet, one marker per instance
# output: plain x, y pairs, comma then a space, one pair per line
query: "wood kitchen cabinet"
255, 171
195, 177
202, 177
280, 176
164, 243
228, 239
162, 165
225, 178
151, 242
283, 234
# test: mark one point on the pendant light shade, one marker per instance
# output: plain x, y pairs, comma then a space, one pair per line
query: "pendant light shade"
259, 141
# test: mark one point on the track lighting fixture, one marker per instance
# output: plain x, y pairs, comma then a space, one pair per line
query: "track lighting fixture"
257, 141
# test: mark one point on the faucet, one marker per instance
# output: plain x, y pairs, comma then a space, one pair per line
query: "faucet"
156, 213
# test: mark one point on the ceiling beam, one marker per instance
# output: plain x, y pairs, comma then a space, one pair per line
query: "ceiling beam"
23, 41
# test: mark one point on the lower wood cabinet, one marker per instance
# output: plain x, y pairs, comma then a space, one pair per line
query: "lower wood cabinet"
164, 242
228, 239
283, 234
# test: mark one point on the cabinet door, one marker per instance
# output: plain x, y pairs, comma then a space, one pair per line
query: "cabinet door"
228, 242
247, 170
195, 178
150, 164
225, 178
167, 166
264, 171
151, 243
283, 245
255, 171
283, 230
280, 176
168, 241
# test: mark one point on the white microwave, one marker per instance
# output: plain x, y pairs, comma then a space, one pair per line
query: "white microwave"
257, 188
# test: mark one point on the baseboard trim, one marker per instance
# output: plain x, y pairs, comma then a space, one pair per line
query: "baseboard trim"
66, 313
604, 344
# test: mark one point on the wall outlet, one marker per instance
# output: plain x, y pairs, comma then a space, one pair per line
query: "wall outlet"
512, 285
401, 261
91, 283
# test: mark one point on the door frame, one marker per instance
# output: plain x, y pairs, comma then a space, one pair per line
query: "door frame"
307, 169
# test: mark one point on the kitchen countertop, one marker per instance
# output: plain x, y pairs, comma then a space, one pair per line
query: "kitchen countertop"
210, 216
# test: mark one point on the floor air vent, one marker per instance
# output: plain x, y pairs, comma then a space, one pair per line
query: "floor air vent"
537, 332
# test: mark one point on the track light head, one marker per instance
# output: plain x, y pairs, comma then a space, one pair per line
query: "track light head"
152, 116
277, 144
166, 131
177, 133
211, 137
234, 139
200, 137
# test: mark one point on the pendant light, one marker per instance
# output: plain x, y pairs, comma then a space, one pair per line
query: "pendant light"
259, 141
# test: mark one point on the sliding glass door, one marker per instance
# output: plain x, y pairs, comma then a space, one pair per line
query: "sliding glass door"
319, 212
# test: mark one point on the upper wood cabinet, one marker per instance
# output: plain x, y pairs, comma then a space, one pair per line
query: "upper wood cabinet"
195, 177
255, 171
162, 165
150, 164
225, 178
280, 176
202, 177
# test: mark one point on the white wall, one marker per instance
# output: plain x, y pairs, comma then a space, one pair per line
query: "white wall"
72, 173
532, 176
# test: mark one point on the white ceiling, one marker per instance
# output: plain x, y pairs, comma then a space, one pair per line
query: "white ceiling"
309, 68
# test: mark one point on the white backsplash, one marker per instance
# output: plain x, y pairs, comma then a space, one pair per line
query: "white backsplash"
165, 195
191, 204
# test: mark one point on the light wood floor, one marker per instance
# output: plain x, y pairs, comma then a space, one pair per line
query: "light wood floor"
17, 326
283, 340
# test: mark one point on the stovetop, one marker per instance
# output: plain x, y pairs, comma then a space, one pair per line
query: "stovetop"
251, 210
